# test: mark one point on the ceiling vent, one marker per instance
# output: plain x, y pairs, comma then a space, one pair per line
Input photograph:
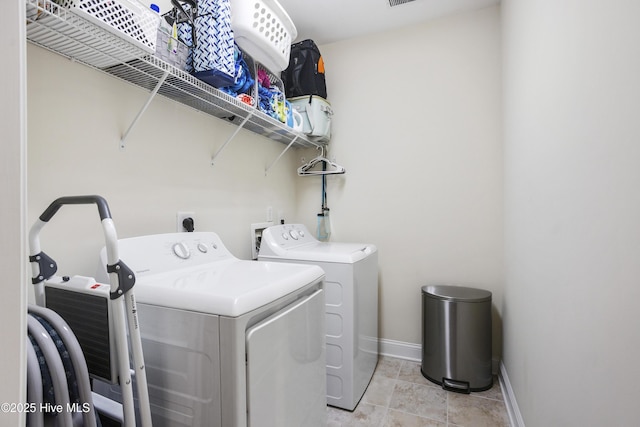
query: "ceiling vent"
398, 2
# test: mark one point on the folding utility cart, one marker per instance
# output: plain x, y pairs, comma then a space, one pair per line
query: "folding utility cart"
79, 330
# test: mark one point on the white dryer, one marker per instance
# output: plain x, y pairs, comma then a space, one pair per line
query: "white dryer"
227, 342
351, 291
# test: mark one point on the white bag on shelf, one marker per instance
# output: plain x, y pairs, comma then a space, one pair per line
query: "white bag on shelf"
316, 116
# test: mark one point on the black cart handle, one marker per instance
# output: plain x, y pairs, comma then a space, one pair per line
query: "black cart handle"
43, 266
54, 207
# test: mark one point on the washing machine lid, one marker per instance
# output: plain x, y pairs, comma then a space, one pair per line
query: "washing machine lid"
227, 288
295, 242
195, 271
344, 253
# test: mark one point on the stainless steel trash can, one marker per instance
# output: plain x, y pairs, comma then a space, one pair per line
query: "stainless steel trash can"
456, 337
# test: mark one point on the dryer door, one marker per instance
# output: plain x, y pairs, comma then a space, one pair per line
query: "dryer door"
286, 383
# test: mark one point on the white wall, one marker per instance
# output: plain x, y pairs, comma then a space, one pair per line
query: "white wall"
417, 126
12, 214
76, 118
572, 168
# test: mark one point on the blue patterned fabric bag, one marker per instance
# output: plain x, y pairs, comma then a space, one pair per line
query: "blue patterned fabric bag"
213, 55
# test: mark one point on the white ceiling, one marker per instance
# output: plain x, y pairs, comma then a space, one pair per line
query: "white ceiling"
327, 21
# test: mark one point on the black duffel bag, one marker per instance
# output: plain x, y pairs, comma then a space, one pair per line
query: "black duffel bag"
305, 73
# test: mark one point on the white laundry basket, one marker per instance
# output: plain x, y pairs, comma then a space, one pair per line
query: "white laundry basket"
264, 30
128, 19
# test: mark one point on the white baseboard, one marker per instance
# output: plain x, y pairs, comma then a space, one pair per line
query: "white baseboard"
401, 350
515, 417
413, 352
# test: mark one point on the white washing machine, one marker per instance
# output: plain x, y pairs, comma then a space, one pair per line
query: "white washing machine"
351, 292
227, 342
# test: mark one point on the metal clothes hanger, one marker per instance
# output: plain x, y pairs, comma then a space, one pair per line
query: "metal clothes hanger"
328, 167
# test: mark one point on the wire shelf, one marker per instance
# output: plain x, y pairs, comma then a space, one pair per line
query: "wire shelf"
58, 29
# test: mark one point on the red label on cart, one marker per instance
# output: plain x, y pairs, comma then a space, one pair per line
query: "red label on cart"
96, 286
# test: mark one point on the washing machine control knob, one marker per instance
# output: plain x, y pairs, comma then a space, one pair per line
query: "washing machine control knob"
202, 248
285, 236
181, 250
293, 234
301, 233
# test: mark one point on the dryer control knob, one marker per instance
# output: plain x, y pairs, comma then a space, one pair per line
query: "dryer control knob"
202, 248
181, 250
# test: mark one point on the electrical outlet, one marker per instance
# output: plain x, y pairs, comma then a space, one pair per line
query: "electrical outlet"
180, 217
256, 237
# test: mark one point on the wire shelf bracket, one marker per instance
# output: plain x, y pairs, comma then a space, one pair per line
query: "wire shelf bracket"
233, 135
144, 108
266, 171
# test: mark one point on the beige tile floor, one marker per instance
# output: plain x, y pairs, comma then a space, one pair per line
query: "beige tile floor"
399, 396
